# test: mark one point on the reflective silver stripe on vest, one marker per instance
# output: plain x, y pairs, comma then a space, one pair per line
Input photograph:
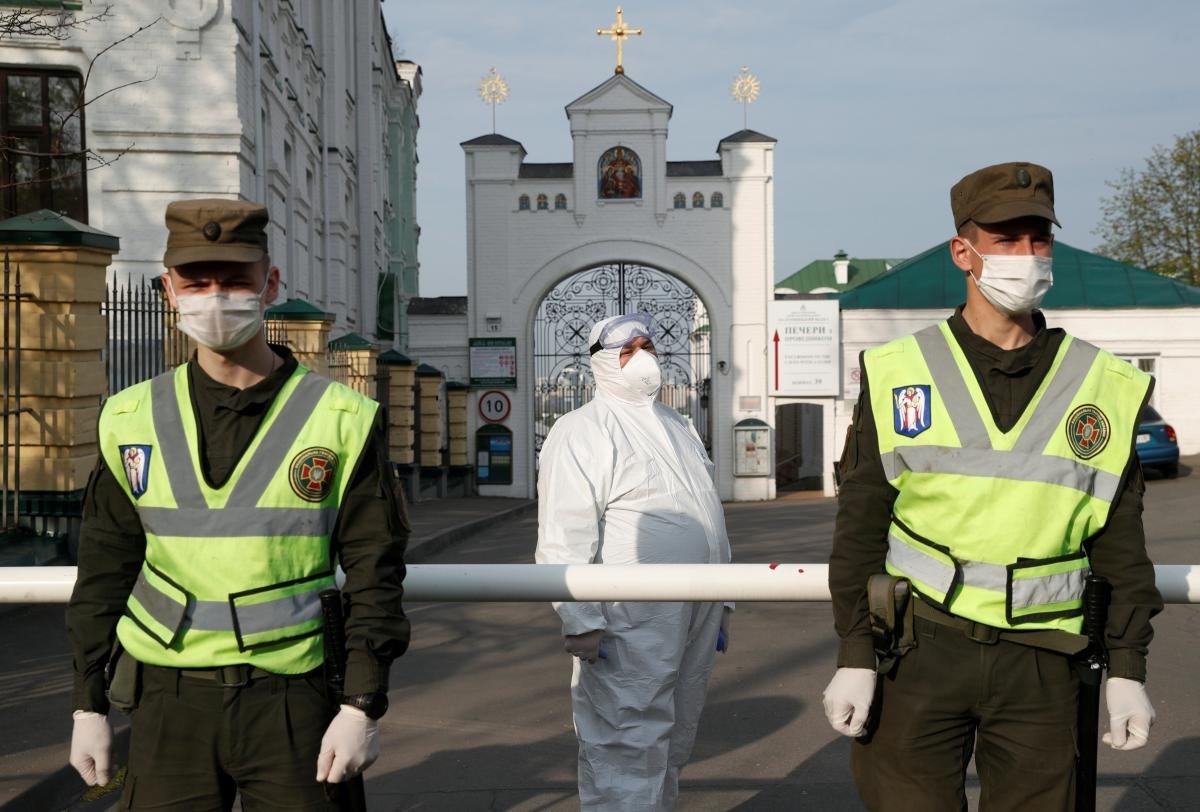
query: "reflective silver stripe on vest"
159, 605
922, 566
949, 384
173, 447
1056, 400
240, 522
981, 575
217, 616
1044, 590
1049, 470
269, 458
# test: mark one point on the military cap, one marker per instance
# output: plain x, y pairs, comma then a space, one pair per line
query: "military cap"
215, 230
1004, 192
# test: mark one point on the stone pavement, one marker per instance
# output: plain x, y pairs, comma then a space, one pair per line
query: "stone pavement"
35, 673
480, 716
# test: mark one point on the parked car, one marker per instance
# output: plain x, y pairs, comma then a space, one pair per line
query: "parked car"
1157, 446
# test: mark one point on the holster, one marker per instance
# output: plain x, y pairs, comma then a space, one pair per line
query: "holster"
123, 678
889, 600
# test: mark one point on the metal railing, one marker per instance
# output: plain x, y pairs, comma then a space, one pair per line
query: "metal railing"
523, 583
142, 338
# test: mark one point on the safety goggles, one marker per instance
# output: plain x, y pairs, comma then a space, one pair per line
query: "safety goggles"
621, 331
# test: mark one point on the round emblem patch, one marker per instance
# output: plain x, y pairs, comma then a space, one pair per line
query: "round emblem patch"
312, 473
1088, 431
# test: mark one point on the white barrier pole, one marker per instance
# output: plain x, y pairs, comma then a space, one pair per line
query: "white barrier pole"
515, 583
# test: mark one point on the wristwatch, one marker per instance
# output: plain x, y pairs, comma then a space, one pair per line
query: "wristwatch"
373, 705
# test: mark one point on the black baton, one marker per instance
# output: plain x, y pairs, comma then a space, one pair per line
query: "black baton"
1091, 674
334, 634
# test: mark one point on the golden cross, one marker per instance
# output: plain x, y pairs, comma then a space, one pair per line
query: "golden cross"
619, 33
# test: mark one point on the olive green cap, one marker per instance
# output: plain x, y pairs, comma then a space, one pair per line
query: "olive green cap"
1004, 192
215, 230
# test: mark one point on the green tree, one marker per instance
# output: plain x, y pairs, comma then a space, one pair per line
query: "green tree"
1152, 218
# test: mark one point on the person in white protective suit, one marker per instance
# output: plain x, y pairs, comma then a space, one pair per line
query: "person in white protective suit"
625, 479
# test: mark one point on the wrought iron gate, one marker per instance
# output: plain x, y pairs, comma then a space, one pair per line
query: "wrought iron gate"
562, 368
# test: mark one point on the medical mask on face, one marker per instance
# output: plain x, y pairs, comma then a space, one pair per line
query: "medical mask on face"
221, 321
642, 374
1014, 285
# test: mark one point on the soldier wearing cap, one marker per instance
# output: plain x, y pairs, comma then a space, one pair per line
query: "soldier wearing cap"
227, 492
989, 467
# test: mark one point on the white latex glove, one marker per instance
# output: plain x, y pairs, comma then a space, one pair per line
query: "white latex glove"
91, 747
848, 699
1130, 713
585, 646
726, 630
349, 746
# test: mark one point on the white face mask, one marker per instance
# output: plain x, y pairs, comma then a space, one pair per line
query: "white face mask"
642, 374
1017, 284
221, 321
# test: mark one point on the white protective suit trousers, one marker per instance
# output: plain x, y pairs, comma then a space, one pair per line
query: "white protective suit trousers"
637, 711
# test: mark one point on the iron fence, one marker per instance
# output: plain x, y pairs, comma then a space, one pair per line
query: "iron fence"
143, 340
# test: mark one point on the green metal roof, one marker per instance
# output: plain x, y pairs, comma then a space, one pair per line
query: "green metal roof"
350, 341
45, 227
426, 371
819, 274
1081, 280
296, 310
395, 358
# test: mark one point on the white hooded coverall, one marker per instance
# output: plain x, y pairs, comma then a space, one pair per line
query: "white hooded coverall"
625, 480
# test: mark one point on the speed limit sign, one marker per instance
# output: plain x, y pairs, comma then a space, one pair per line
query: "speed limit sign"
494, 406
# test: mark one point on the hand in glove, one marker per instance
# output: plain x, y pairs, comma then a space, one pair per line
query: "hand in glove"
585, 646
349, 746
91, 747
848, 699
725, 633
1130, 714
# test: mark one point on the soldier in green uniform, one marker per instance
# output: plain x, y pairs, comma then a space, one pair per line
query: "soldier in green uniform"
990, 464
227, 492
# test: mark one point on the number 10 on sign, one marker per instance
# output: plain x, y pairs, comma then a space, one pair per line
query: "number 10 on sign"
494, 406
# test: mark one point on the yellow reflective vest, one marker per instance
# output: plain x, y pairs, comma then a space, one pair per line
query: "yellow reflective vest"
232, 574
991, 525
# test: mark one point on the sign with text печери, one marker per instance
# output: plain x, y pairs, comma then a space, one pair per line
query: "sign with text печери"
803, 348
493, 362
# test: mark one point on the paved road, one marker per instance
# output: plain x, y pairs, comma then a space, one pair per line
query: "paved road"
480, 715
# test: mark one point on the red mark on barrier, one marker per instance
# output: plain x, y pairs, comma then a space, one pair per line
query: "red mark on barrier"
800, 570
773, 566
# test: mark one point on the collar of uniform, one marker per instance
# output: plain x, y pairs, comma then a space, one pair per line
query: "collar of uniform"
251, 399
1011, 362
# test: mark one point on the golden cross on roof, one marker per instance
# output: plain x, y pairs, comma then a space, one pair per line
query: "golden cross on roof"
619, 33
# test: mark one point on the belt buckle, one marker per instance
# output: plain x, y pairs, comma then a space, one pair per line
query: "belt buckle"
241, 672
983, 633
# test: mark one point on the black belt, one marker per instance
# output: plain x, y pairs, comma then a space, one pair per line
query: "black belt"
228, 676
1050, 639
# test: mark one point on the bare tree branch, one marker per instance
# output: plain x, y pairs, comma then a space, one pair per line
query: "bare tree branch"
55, 24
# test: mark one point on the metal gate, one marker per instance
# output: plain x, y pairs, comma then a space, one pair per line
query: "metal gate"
562, 368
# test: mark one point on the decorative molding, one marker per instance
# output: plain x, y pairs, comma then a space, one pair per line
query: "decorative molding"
189, 17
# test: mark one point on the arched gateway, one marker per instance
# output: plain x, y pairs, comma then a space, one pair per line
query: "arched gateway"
613, 241
562, 369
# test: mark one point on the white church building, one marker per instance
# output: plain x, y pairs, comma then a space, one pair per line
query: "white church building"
553, 248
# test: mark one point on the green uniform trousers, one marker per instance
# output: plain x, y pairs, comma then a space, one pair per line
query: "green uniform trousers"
196, 744
1014, 706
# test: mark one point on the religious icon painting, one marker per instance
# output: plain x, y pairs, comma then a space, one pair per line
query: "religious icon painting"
620, 174
911, 413
135, 460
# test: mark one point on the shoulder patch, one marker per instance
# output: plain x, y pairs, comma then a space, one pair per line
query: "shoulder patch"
912, 409
311, 473
135, 462
1088, 431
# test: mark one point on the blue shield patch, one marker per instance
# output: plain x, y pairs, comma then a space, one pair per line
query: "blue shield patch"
135, 459
911, 409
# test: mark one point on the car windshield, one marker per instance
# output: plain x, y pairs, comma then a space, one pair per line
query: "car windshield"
1149, 415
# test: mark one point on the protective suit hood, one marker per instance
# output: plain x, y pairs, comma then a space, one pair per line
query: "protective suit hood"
613, 382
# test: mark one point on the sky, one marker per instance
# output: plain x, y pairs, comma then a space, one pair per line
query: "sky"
879, 107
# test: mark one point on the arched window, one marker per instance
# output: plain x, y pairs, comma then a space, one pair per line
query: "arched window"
698, 200
543, 203
619, 174
680, 201
560, 202
523, 203
718, 200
